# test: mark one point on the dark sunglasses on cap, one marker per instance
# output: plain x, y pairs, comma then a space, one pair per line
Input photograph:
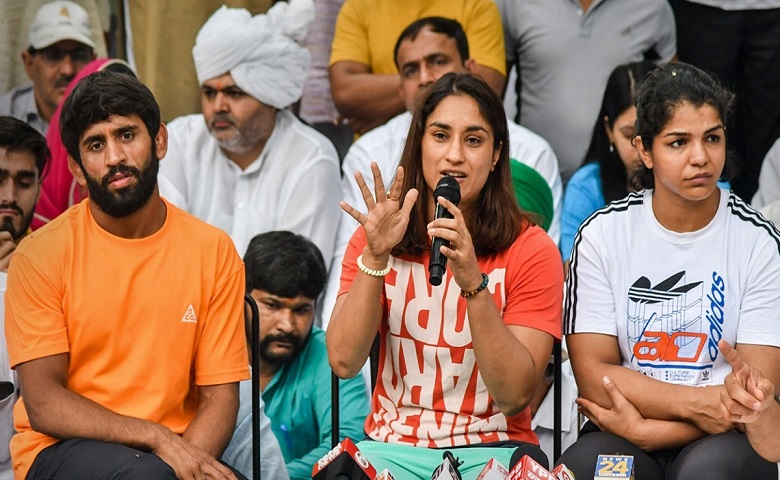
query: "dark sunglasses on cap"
81, 54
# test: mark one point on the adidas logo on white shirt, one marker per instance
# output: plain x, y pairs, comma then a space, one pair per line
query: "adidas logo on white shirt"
189, 315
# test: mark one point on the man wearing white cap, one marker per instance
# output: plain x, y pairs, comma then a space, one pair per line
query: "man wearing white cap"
247, 165
60, 44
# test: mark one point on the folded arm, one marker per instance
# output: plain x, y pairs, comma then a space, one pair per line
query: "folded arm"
624, 419
366, 99
495, 79
595, 356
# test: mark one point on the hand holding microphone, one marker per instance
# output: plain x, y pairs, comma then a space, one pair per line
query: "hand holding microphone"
448, 188
448, 230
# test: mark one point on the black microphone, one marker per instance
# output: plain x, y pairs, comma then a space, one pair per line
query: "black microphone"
448, 188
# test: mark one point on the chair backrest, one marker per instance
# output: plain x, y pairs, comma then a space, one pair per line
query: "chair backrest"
252, 324
557, 400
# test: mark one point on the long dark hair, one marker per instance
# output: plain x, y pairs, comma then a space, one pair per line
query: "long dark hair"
619, 96
666, 89
497, 219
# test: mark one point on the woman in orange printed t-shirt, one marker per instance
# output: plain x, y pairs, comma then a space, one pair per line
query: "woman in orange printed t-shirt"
459, 361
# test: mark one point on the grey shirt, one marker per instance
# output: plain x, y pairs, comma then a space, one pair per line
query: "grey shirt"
565, 57
769, 180
20, 103
238, 453
739, 4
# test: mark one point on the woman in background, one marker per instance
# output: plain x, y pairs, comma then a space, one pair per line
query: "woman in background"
612, 157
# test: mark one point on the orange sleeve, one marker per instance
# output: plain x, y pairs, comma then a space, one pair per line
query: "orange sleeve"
34, 319
222, 353
535, 283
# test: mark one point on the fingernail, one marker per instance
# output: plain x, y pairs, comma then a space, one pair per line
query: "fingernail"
606, 380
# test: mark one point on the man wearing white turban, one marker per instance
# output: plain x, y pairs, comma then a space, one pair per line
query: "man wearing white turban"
247, 164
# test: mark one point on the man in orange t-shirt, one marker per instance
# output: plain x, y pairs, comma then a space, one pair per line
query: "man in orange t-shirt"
124, 315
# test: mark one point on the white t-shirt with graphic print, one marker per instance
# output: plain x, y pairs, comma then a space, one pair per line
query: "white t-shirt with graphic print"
670, 297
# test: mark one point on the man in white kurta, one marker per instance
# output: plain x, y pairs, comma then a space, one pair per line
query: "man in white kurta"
292, 185
247, 165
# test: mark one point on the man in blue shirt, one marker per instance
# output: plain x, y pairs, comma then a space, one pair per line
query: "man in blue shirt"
285, 273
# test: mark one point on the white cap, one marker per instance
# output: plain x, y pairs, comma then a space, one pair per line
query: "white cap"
57, 21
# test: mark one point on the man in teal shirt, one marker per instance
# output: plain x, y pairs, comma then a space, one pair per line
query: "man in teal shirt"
285, 273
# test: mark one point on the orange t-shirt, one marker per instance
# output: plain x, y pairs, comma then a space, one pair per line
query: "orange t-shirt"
144, 321
429, 392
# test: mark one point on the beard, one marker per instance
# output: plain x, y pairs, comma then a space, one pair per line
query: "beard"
280, 358
7, 223
128, 200
242, 139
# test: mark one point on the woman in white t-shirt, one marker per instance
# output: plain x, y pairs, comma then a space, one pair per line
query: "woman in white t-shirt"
657, 279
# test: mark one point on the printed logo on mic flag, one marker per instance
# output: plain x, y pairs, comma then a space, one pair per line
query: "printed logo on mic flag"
614, 466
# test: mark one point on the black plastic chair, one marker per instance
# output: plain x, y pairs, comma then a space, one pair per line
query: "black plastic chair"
253, 320
557, 385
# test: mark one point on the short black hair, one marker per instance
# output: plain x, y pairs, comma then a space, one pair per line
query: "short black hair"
285, 264
665, 89
100, 95
446, 26
17, 136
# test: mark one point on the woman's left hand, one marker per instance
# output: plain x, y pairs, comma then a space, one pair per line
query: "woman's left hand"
462, 259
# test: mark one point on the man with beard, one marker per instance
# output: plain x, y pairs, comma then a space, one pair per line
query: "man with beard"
23, 155
247, 165
285, 274
60, 45
124, 315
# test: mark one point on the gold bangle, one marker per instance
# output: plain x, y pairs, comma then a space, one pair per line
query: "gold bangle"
481, 287
370, 271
